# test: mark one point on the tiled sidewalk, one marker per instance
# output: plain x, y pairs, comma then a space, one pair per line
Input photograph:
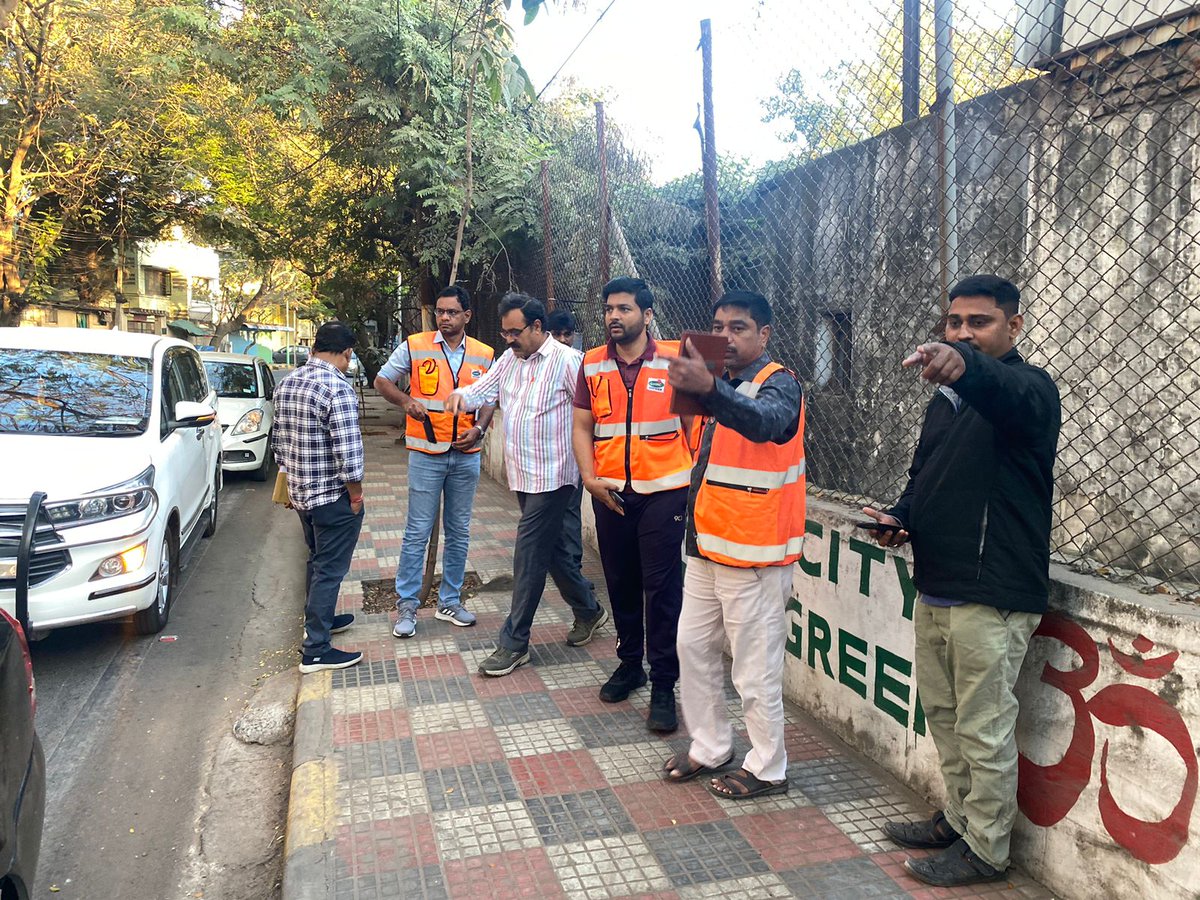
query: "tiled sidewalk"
452, 785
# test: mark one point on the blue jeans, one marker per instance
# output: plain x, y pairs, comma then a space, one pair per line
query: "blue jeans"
450, 478
331, 532
548, 542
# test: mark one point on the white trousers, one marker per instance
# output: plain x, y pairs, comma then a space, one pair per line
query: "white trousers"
747, 606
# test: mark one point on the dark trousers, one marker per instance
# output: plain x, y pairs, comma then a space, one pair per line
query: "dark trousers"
331, 532
643, 566
548, 542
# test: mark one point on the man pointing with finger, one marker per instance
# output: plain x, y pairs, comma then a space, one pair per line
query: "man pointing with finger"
977, 511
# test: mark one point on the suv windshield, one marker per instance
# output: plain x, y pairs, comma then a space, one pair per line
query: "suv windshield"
57, 392
230, 379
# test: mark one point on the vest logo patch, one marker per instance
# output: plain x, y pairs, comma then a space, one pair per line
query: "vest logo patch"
657, 385
476, 373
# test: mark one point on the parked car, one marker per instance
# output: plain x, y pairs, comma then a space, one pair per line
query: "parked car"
355, 370
245, 387
291, 355
22, 766
119, 432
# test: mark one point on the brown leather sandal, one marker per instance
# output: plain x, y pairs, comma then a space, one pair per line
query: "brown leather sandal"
688, 768
741, 785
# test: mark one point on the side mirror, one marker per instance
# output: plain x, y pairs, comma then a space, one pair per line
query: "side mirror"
189, 414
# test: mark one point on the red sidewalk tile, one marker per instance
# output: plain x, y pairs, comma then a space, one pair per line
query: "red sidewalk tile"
387, 845
457, 748
802, 744
439, 665
550, 774
524, 680
583, 701
521, 873
368, 727
660, 804
795, 837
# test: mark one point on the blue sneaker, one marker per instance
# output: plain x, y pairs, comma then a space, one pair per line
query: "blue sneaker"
341, 623
330, 659
406, 624
456, 615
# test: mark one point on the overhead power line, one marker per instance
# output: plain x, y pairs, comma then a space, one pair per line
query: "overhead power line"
586, 35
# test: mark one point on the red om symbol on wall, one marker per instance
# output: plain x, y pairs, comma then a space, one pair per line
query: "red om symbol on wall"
1046, 794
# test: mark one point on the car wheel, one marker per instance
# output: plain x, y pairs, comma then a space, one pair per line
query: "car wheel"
154, 618
210, 527
260, 474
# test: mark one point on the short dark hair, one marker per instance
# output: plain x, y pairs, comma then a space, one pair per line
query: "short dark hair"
560, 320
533, 309
454, 290
642, 294
333, 337
1004, 292
755, 304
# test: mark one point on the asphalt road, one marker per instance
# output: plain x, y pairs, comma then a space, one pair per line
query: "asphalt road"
131, 724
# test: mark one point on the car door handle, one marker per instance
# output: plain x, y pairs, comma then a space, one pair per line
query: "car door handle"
199, 434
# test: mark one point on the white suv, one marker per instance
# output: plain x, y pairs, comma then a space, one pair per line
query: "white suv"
113, 468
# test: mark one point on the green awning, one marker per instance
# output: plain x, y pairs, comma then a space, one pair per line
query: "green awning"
189, 327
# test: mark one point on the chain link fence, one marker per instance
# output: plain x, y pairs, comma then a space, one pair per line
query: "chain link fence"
1054, 143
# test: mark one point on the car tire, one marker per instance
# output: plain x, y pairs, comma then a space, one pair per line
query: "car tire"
260, 474
210, 527
154, 618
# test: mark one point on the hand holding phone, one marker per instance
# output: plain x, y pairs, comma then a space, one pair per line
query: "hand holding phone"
879, 526
887, 530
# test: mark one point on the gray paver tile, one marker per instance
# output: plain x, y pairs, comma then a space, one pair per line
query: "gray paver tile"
425, 883
371, 698
834, 780
556, 653
375, 759
537, 738
515, 708
862, 820
632, 763
573, 675
423, 692
752, 887
482, 784
608, 729
383, 797
710, 851
847, 879
447, 717
573, 818
615, 866
478, 830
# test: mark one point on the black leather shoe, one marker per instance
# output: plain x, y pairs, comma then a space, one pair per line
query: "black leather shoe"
662, 718
623, 682
956, 865
934, 834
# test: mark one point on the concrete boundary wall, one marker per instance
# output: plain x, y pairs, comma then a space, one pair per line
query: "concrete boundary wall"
1109, 730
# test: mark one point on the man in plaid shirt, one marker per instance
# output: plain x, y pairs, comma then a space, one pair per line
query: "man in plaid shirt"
318, 444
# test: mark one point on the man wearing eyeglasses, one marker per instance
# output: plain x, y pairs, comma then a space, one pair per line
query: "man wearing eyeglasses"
534, 380
443, 458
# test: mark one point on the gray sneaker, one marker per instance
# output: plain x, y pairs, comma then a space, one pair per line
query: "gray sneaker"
456, 615
585, 629
502, 662
406, 625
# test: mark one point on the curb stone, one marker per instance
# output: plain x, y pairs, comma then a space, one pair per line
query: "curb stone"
308, 867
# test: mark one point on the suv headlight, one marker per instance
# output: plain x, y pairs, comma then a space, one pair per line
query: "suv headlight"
248, 423
122, 499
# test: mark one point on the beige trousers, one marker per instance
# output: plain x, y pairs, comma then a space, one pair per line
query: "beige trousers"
747, 606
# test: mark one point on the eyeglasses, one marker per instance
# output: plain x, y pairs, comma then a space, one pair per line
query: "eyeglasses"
511, 334
452, 313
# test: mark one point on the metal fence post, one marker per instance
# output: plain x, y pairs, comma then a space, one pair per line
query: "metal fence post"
712, 209
602, 149
547, 249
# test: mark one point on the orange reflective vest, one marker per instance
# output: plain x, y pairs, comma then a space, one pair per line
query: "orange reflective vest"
636, 438
749, 510
431, 381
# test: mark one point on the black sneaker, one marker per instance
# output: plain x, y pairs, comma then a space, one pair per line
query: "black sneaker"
623, 682
502, 662
663, 717
583, 630
330, 659
957, 865
341, 623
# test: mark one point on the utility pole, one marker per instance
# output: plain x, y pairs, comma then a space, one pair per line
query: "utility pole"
712, 209
910, 75
943, 50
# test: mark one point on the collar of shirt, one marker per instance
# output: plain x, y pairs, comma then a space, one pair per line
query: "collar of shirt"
647, 354
748, 373
439, 338
546, 350
321, 364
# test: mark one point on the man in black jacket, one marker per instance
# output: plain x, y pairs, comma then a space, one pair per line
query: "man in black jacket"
977, 510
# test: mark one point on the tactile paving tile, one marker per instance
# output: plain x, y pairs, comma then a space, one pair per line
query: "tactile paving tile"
616, 866
554, 773
752, 887
711, 851
481, 784
574, 675
447, 717
787, 839
847, 879
552, 611
632, 763
516, 708
372, 698
425, 883
376, 759
535, 738
624, 727
421, 692
431, 665
496, 828
503, 876
834, 780
444, 749
386, 797
862, 820
582, 816
382, 671
433, 646
556, 653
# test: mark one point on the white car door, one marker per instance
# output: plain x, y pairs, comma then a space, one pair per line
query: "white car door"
186, 450
268, 393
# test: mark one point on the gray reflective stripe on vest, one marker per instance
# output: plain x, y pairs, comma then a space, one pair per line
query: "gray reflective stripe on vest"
476, 360
416, 443
659, 362
432, 405
425, 354
615, 429
751, 553
605, 365
666, 483
754, 478
748, 389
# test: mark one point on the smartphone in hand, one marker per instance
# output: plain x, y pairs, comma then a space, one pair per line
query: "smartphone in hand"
886, 527
617, 498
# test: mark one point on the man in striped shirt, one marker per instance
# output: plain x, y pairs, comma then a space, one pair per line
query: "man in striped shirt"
534, 381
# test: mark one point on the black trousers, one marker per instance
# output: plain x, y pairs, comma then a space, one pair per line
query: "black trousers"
643, 566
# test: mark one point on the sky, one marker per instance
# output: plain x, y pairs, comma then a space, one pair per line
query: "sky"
643, 59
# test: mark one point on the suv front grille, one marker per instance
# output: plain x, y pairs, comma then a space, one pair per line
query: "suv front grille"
48, 559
